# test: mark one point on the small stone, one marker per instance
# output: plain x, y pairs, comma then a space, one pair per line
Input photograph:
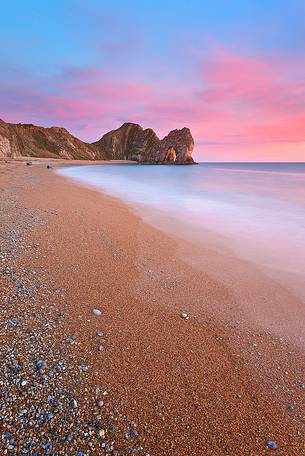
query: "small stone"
16, 365
290, 407
73, 404
100, 403
101, 433
238, 396
112, 426
97, 312
71, 339
23, 382
302, 385
41, 364
49, 415
133, 432
184, 315
101, 348
97, 391
271, 444
99, 333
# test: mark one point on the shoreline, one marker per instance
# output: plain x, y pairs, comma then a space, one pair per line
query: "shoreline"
201, 386
282, 317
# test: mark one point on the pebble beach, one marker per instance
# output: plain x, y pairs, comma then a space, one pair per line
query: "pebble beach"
111, 344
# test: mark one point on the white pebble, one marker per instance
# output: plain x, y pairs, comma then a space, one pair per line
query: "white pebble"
97, 312
102, 433
184, 315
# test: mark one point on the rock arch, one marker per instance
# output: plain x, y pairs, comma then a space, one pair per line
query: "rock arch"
171, 155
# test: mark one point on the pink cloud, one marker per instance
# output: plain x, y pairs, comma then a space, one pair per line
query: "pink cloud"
242, 100
233, 103
252, 83
84, 100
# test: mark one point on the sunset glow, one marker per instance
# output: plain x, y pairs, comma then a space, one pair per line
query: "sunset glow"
239, 85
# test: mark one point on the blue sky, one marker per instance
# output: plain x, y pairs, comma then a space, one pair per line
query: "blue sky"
92, 66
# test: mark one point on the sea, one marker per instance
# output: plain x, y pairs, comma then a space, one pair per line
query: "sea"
256, 210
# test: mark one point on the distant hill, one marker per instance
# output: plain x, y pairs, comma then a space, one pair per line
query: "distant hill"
29, 140
129, 142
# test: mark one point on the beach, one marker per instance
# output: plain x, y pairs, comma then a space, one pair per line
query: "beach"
155, 382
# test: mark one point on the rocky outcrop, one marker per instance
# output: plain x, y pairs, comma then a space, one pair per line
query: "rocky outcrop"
183, 144
129, 142
29, 140
132, 142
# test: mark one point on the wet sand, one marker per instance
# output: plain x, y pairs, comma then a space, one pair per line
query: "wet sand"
215, 384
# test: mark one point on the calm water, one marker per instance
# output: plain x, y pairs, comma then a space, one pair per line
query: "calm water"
257, 209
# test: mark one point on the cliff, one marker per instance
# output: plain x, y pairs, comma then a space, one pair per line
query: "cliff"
129, 142
29, 140
132, 142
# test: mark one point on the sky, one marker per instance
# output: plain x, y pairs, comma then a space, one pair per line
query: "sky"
233, 71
